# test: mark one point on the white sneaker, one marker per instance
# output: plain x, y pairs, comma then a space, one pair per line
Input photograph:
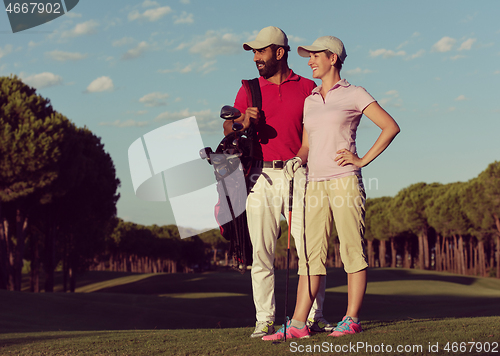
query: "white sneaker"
263, 328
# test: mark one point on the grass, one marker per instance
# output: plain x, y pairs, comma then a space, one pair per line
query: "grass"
213, 314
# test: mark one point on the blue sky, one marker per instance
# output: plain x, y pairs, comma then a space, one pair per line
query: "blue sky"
124, 68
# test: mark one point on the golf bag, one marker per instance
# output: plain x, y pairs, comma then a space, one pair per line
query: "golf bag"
238, 150
233, 193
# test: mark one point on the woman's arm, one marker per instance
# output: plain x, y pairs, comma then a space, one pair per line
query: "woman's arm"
304, 149
389, 130
293, 164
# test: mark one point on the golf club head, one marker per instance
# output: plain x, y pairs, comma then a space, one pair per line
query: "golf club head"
237, 126
205, 154
229, 113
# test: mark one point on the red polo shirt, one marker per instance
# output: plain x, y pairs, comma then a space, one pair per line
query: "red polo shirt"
279, 131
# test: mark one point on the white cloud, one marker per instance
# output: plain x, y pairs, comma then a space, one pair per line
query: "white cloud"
469, 18
7, 49
101, 84
150, 15
296, 39
206, 119
458, 56
385, 53
415, 34
61, 56
128, 123
182, 114
417, 55
123, 42
357, 71
445, 44
204, 68
179, 69
43, 80
467, 45
73, 15
136, 51
213, 44
138, 113
149, 3
402, 44
181, 46
461, 98
154, 99
184, 18
207, 67
84, 28
253, 35
393, 99
185, 2
452, 108
496, 72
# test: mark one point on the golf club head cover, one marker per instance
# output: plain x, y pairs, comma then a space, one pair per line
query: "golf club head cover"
291, 166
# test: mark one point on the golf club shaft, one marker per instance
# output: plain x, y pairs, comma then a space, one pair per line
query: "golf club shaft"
290, 204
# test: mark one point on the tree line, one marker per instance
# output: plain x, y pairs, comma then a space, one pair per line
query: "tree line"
446, 227
153, 249
58, 194
58, 191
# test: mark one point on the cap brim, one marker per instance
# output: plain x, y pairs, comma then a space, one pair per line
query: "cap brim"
304, 51
255, 45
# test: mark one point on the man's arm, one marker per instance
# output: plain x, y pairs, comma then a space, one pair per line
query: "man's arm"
240, 103
251, 115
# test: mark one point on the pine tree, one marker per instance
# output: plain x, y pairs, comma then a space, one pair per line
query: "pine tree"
31, 133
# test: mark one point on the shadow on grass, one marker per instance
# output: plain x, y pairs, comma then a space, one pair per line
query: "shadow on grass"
224, 300
397, 274
35, 338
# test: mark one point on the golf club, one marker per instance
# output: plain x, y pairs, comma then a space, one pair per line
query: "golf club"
290, 203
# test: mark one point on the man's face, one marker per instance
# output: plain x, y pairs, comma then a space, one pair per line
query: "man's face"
265, 59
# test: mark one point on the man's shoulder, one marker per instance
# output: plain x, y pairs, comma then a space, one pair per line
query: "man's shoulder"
304, 82
304, 78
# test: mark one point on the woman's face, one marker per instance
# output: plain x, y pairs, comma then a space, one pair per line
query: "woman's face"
320, 64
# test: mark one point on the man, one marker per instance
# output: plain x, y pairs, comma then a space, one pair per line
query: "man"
279, 134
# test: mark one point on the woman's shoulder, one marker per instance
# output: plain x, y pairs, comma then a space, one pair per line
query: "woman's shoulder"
357, 89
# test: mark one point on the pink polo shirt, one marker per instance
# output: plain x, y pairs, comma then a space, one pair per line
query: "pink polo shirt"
280, 128
331, 125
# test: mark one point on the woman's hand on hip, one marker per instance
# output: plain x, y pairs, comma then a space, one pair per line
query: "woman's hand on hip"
346, 157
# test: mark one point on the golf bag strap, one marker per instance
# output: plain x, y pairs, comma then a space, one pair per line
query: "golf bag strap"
252, 88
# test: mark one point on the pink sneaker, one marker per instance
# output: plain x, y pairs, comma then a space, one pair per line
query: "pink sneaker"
346, 326
291, 333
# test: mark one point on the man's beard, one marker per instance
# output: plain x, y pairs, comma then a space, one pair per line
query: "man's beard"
270, 67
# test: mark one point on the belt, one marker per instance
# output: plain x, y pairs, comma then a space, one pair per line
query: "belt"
269, 164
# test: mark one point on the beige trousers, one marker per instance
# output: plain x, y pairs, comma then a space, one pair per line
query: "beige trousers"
341, 200
267, 201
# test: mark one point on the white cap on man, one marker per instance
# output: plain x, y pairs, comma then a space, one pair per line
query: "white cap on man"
333, 44
266, 37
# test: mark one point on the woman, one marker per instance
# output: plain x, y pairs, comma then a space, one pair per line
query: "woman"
334, 189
